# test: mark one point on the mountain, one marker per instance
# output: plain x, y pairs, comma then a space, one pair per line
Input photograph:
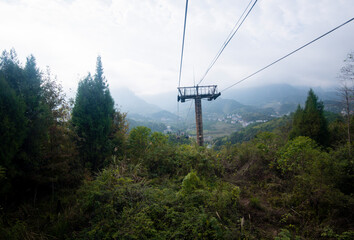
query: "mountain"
130, 103
223, 106
283, 93
166, 101
255, 103
139, 111
164, 116
283, 98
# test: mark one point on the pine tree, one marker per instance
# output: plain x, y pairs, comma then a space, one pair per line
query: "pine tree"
92, 118
12, 126
297, 122
37, 112
311, 121
25, 117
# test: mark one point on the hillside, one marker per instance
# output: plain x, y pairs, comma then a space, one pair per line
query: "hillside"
79, 172
251, 131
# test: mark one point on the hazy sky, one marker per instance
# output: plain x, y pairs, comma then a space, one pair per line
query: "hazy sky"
140, 40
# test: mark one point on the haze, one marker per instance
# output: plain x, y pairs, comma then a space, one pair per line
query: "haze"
140, 41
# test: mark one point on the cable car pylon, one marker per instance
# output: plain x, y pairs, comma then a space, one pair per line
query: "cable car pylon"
197, 93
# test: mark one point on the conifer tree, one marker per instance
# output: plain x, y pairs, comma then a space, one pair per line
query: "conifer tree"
25, 118
12, 126
92, 118
311, 121
297, 122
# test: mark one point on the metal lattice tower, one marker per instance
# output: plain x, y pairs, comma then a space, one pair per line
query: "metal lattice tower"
197, 93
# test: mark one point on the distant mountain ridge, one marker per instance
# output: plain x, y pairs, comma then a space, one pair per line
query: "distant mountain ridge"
130, 103
277, 93
273, 95
138, 109
278, 99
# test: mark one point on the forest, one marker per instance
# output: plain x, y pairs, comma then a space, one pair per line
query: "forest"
73, 169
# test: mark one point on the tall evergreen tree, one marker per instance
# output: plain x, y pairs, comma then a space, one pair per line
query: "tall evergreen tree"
297, 122
311, 121
26, 119
92, 118
12, 126
37, 112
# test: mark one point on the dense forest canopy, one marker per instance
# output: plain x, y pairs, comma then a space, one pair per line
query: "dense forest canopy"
75, 171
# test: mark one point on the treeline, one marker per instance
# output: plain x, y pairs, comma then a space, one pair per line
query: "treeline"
75, 172
35, 144
45, 143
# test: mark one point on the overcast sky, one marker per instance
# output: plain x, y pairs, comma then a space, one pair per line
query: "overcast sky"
140, 40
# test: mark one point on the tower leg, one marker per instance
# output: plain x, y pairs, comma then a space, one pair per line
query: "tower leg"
199, 120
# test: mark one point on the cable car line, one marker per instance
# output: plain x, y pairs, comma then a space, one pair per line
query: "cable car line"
229, 37
260, 70
180, 66
184, 33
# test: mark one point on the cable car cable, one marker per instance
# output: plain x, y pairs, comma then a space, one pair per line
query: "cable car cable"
260, 70
184, 34
228, 39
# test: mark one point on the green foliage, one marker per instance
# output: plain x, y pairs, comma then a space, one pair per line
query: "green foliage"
118, 136
155, 127
285, 234
346, 235
190, 183
92, 118
250, 132
311, 121
115, 207
236, 191
12, 125
154, 186
2, 173
268, 144
139, 141
255, 203
179, 139
24, 122
297, 154
161, 158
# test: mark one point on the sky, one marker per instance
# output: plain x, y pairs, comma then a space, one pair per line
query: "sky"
140, 41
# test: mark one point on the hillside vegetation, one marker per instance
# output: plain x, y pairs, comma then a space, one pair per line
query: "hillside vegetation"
77, 172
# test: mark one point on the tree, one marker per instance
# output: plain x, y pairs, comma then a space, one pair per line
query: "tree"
139, 138
118, 134
37, 113
12, 126
60, 165
92, 118
346, 91
297, 123
24, 87
25, 118
310, 121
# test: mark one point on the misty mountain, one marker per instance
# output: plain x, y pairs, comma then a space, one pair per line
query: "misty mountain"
283, 98
222, 106
138, 109
128, 102
164, 115
166, 101
227, 106
276, 94
278, 99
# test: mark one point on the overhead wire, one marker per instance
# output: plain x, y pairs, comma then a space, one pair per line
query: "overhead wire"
229, 37
287, 55
184, 34
181, 62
